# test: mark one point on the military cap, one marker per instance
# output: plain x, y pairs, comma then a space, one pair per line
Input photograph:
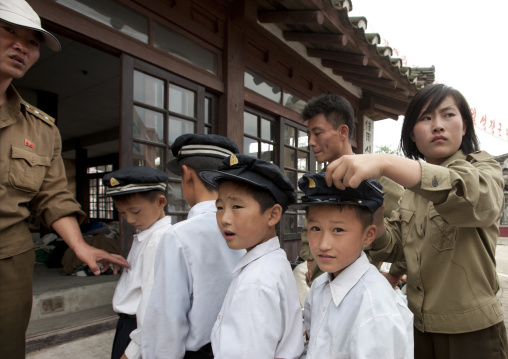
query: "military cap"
368, 194
257, 172
191, 144
134, 179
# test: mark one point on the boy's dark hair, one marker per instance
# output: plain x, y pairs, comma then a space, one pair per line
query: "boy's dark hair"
149, 195
364, 215
337, 110
434, 95
202, 163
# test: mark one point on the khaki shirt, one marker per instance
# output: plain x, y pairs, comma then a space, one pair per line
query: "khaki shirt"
393, 191
449, 243
32, 174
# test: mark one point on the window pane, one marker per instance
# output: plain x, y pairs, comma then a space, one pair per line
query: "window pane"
176, 201
266, 129
262, 86
113, 15
292, 177
289, 135
178, 126
290, 222
250, 124
208, 112
267, 152
289, 157
148, 125
182, 101
303, 161
148, 89
293, 102
148, 156
250, 147
303, 140
183, 48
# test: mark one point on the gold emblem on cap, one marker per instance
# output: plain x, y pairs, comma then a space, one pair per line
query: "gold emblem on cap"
233, 160
113, 182
312, 183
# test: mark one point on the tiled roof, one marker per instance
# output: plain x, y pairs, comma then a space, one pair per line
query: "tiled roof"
327, 31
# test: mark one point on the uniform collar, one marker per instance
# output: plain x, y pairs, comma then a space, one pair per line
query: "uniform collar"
10, 112
347, 279
142, 235
202, 207
257, 252
459, 155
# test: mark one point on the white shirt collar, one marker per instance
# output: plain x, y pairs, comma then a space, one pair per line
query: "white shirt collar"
202, 207
257, 252
141, 235
347, 279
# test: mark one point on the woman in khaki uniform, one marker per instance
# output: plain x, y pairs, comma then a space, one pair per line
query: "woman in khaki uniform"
32, 178
446, 227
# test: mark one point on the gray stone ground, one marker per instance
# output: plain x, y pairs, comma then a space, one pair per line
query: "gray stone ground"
99, 346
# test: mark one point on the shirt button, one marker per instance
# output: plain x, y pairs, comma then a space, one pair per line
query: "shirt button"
418, 288
435, 183
218, 317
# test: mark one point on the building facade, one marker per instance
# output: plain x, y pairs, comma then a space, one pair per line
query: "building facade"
135, 74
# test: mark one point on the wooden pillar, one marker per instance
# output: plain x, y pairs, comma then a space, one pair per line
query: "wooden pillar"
231, 105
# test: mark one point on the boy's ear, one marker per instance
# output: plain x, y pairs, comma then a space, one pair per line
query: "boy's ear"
275, 215
369, 235
162, 201
187, 174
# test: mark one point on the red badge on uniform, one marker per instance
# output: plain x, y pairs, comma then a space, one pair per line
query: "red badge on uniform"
29, 143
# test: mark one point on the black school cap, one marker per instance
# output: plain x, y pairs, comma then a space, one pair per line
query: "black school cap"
191, 144
368, 194
257, 172
134, 179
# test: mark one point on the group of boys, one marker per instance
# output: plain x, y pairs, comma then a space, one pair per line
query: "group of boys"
219, 285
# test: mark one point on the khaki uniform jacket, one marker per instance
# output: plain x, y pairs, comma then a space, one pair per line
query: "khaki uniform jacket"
393, 191
449, 243
32, 174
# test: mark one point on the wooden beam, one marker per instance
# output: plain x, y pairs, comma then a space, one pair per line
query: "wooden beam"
354, 69
339, 56
384, 83
291, 17
386, 114
316, 38
395, 93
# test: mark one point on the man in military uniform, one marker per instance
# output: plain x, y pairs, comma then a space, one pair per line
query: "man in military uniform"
32, 178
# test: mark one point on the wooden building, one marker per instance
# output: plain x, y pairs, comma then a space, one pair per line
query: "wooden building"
135, 74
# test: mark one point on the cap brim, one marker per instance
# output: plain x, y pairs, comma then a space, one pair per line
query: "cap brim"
214, 177
302, 205
48, 39
174, 167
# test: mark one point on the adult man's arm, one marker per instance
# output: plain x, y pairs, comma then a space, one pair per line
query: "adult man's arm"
68, 229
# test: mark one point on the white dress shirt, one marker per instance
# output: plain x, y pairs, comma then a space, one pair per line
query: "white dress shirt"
192, 274
261, 317
135, 284
357, 315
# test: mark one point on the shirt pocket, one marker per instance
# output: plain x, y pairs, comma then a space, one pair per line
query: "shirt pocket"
27, 169
405, 223
441, 233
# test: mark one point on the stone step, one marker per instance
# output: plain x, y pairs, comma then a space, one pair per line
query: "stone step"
55, 330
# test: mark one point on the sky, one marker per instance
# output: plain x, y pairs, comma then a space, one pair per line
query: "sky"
464, 40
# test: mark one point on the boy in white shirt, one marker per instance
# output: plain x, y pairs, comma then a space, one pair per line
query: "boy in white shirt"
261, 314
351, 310
139, 196
193, 265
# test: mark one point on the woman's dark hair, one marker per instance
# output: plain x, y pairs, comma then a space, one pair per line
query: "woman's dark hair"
434, 95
